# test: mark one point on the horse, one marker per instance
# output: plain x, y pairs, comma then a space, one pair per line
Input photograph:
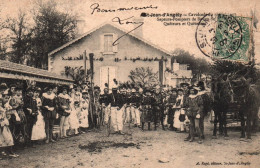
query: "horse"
248, 97
222, 96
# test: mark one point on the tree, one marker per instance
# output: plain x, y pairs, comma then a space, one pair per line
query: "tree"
53, 29
144, 76
198, 66
77, 74
20, 34
15, 36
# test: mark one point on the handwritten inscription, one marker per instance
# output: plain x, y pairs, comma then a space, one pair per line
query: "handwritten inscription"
95, 7
126, 21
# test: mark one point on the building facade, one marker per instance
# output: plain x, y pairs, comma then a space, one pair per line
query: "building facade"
110, 61
178, 74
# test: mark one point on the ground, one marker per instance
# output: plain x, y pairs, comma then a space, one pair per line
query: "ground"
141, 149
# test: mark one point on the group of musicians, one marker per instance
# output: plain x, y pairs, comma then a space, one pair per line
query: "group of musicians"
141, 105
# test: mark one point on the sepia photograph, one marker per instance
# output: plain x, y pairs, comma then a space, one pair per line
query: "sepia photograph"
129, 84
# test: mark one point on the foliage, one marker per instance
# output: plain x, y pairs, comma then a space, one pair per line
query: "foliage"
19, 35
77, 74
234, 69
32, 35
144, 76
198, 66
53, 29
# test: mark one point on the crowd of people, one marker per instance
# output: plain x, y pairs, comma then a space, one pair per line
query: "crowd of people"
28, 116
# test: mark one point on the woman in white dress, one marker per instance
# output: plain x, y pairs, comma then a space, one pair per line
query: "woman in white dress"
73, 118
6, 138
83, 116
38, 131
179, 111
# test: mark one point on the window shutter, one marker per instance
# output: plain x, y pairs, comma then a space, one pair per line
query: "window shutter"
102, 43
115, 48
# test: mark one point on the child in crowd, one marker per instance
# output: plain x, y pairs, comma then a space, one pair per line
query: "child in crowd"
6, 138
73, 118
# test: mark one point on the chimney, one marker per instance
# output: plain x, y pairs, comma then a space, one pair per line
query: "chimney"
81, 24
139, 31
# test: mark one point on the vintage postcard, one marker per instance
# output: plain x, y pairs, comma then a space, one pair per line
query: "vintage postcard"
140, 83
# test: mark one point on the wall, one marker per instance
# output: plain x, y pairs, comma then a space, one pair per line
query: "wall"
128, 47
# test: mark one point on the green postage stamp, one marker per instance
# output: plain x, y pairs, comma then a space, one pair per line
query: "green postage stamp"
225, 37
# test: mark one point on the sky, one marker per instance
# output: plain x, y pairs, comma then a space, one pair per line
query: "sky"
167, 37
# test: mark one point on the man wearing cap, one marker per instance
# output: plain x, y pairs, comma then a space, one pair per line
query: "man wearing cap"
171, 102
128, 115
194, 112
158, 107
12, 88
48, 111
117, 111
3, 88
97, 107
185, 88
147, 104
136, 99
105, 100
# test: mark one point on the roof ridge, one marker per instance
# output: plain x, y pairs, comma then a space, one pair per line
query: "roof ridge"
100, 26
11, 66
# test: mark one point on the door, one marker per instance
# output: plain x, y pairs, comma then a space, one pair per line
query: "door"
107, 74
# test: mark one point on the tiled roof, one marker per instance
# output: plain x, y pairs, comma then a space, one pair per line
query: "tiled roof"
19, 68
111, 24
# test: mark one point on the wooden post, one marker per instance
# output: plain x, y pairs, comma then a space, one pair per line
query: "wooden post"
91, 55
85, 65
161, 72
108, 79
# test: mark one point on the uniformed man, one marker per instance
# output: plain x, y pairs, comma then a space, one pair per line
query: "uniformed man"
97, 107
136, 99
128, 97
147, 103
171, 102
105, 100
117, 111
158, 107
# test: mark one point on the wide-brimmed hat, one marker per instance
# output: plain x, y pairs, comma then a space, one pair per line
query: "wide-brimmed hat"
38, 89
195, 89
13, 85
84, 91
174, 90
181, 90
96, 88
201, 85
3, 86
184, 84
146, 90
65, 87
30, 89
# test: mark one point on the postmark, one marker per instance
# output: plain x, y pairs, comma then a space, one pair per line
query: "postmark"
219, 36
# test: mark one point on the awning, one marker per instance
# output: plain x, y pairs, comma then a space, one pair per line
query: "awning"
12, 70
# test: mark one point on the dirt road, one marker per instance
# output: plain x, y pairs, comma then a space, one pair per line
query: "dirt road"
147, 149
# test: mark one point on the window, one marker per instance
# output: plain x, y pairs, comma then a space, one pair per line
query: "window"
108, 41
